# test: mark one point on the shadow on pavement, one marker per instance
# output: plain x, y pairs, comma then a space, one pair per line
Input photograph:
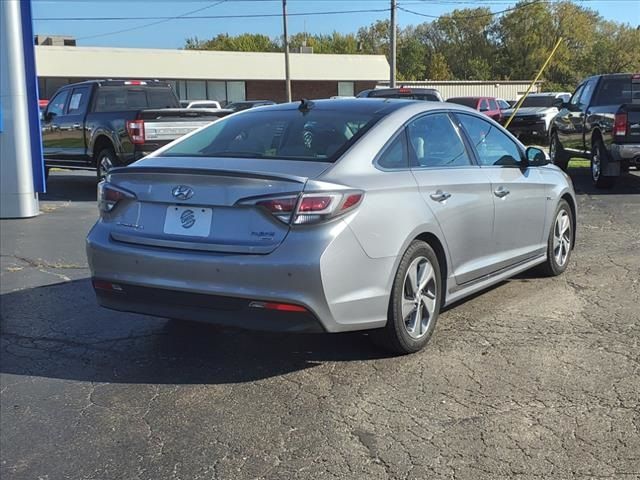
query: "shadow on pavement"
64, 185
627, 184
59, 331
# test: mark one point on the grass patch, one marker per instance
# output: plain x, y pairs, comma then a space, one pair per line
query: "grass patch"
579, 163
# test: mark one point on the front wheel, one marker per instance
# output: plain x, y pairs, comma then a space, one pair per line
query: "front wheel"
415, 301
560, 241
598, 164
556, 153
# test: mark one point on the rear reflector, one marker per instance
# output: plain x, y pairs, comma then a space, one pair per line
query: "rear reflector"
281, 307
104, 285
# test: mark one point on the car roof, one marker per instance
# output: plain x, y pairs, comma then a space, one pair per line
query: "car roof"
373, 106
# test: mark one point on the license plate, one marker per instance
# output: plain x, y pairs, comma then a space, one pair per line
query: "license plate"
190, 221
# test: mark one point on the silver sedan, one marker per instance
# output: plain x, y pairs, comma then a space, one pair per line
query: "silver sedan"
333, 215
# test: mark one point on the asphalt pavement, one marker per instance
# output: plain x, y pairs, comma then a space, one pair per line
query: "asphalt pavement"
535, 378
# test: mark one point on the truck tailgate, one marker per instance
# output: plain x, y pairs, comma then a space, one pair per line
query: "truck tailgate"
167, 124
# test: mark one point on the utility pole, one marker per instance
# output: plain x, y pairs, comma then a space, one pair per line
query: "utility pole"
287, 73
392, 45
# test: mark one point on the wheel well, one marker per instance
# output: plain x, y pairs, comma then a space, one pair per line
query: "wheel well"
572, 206
434, 243
101, 143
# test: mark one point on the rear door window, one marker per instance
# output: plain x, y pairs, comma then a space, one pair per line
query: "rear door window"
395, 156
435, 142
78, 101
614, 91
492, 104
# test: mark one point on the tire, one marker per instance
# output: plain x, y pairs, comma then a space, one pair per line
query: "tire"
560, 242
405, 332
556, 152
598, 161
105, 160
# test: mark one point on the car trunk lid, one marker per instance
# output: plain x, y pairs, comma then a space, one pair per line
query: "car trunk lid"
192, 203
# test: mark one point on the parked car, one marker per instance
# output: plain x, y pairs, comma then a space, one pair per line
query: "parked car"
503, 104
247, 104
408, 93
100, 124
200, 104
534, 116
487, 105
600, 122
333, 215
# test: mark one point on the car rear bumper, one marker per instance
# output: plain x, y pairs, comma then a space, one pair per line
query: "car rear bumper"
215, 309
628, 151
321, 268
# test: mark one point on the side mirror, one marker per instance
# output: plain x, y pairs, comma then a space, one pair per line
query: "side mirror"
48, 116
536, 157
559, 103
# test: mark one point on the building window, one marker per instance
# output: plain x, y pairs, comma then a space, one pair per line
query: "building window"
236, 92
345, 89
196, 90
216, 90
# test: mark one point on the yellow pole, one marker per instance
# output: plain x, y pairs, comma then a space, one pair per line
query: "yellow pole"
519, 104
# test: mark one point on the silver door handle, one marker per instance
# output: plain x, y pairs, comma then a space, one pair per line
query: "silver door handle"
501, 192
440, 196
76, 126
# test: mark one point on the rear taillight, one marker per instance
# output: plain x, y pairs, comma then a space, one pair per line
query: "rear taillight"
109, 196
135, 129
620, 125
308, 208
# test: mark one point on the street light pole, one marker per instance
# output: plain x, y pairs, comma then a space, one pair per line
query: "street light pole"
287, 73
392, 45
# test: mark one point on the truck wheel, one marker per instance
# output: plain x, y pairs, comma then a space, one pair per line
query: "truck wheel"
415, 301
598, 163
105, 161
560, 241
557, 154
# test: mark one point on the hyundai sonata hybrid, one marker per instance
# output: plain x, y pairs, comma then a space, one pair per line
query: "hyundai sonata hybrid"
329, 215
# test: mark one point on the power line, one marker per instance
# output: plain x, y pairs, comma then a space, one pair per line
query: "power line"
152, 23
204, 17
517, 7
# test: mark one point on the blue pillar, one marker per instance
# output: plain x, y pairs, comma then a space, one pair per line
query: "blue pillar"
21, 163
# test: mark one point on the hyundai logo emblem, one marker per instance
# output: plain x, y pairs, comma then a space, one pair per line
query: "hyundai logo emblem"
182, 192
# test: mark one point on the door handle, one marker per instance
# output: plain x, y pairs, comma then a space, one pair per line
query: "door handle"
76, 126
501, 192
440, 196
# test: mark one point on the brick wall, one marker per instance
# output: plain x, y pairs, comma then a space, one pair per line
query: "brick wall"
275, 89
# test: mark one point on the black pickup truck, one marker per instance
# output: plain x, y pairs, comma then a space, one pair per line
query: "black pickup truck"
601, 122
100, 124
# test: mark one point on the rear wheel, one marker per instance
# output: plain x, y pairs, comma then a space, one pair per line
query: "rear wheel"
415, 301
557, 154
560, 241
598, 164
105, 161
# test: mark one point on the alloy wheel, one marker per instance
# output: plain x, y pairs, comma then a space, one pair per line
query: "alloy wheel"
595, 163
562, 238
419, 297
104, 165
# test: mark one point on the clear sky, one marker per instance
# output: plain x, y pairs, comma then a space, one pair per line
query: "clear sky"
172, 33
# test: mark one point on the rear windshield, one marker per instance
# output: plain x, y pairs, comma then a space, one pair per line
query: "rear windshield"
315, 135
613, 91
117, 99
546, 101
469, 102
407, 96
